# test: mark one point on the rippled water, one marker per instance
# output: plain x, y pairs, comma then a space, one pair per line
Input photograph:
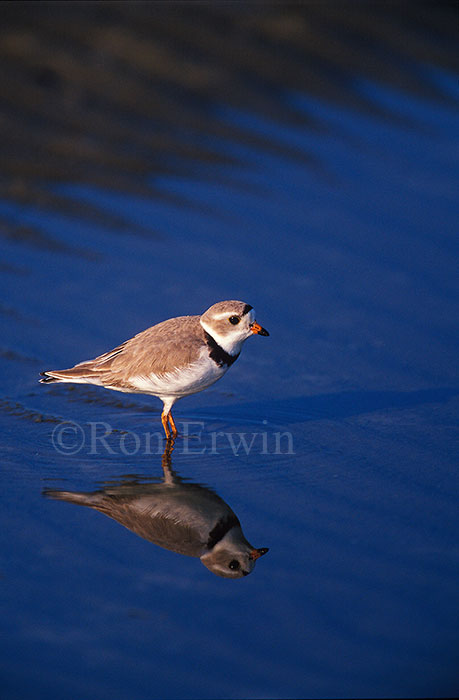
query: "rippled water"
333, 441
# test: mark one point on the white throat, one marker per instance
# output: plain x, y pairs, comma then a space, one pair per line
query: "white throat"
233, 541
230, 342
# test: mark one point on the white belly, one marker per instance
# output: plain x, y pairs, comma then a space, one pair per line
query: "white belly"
180, 382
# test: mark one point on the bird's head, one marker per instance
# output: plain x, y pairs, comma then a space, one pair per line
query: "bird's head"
230, 323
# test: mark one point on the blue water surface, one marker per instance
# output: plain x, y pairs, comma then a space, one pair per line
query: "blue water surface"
350, 260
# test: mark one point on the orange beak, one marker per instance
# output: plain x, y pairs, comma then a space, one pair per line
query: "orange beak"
256, 328
257, 553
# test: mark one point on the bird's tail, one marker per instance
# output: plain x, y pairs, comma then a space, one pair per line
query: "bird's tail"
80, 374
87, 372
81, 499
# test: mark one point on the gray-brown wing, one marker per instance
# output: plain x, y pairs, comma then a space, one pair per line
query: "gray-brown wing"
152, 520
159, 528
171, 344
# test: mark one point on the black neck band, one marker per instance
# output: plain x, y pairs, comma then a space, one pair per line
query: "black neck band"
223, 526
216, 352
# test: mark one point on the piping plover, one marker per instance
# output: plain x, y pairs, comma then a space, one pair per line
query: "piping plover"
175, 358
186, 518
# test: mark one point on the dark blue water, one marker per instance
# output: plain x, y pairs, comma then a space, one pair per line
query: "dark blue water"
350, 262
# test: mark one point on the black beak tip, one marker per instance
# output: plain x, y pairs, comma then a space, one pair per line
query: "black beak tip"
263, 332
263, 550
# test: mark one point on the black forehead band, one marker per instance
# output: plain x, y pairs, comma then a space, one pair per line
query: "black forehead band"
246, 309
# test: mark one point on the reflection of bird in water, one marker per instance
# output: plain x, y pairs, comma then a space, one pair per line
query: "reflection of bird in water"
186, 518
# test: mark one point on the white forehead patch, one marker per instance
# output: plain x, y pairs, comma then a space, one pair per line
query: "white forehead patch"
227, 314
218, 317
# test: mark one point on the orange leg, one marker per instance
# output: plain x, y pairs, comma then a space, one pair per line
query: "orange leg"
165, 423
172, 422
171, 432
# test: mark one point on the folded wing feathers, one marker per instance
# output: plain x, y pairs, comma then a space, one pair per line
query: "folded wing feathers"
86, 369
177, 341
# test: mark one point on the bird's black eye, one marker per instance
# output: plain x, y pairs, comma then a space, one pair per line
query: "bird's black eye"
234, 565
234, 320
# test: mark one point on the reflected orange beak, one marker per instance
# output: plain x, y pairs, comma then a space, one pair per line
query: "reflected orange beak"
256, 328
257, 553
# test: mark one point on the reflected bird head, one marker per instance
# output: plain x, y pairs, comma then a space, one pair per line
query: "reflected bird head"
232, 556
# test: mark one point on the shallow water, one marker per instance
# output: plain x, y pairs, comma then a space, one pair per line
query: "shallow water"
334, 441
